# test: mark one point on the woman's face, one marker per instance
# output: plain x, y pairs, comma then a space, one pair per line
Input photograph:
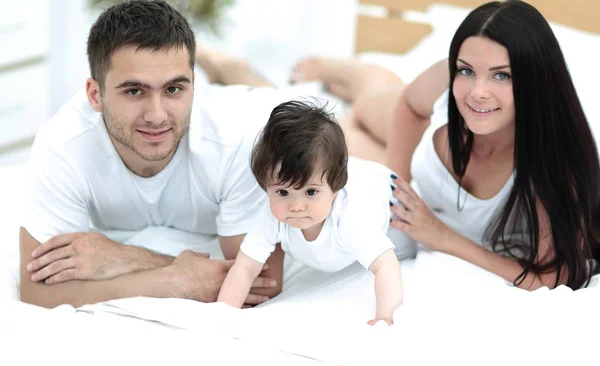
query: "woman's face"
483, 86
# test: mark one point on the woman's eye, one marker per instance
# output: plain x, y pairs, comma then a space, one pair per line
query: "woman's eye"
502, 76
311, 192
173, 89
465, 72
282, 193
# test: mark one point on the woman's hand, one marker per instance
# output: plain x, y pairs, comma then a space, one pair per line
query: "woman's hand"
416, 219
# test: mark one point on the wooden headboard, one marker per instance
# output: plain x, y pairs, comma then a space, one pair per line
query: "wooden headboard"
381, 33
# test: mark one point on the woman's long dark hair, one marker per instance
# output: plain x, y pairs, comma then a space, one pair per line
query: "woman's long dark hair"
555, 156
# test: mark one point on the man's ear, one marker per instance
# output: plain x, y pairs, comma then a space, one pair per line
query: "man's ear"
92, 89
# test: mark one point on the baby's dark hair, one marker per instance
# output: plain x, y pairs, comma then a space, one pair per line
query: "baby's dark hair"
299, 139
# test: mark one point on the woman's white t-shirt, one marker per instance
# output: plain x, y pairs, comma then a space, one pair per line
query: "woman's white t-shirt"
440, 191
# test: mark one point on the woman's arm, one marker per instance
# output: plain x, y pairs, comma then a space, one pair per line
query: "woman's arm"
424, 227
507, 268
411, 116
239, 280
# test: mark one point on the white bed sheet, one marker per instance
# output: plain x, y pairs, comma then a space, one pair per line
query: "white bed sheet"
453, 313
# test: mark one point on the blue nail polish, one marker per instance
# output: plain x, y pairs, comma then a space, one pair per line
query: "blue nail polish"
393, 188
394, 176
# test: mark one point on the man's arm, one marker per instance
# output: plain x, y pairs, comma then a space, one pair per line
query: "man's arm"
190, 276
230, 245
78, 292
89, 256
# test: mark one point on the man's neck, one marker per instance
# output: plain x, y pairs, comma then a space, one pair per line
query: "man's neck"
138, 165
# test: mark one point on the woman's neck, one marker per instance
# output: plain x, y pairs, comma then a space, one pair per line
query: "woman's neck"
500, 142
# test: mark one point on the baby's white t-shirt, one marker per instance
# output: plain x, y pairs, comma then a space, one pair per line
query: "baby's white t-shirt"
355, 229
79, 182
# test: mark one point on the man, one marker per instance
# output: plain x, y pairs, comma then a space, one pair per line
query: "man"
131, 152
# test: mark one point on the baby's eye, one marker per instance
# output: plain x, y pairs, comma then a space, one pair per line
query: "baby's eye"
311, 192
465, 72
502, 76
282, 192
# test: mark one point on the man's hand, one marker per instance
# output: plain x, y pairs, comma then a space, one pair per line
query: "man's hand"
86, 256
199, 278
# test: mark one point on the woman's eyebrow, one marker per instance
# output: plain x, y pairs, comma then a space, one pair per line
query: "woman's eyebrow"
491, 68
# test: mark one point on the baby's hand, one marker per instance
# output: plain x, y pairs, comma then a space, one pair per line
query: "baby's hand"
388, 320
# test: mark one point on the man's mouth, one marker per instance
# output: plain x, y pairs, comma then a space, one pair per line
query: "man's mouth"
154, 135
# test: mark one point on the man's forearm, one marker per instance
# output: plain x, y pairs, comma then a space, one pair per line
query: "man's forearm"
154, 283
142, 259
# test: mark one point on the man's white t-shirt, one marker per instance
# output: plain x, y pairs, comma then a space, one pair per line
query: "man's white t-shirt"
355, 230
79, 182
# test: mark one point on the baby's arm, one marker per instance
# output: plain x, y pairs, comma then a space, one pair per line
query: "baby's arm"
239, 280
389, 292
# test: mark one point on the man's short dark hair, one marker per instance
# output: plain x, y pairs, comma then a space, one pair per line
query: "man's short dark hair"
300, 139
145, 24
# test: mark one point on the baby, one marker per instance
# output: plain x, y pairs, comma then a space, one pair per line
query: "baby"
326, 210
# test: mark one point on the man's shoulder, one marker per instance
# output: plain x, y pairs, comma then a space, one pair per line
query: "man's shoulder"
75, 119
74, 130
227, 115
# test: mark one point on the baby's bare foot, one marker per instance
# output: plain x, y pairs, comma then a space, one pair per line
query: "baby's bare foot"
308, 69
210, 60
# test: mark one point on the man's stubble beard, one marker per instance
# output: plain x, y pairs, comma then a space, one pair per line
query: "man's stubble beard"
117, 132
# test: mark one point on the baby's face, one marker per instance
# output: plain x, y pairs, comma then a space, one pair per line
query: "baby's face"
301, 208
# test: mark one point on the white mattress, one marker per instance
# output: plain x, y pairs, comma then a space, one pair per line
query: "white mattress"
453, 313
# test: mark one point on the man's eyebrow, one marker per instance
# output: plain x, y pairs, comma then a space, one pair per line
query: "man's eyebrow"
178, 80
132, 83
491, 68
138, 84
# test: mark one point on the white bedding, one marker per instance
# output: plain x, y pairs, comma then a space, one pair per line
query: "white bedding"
453, 313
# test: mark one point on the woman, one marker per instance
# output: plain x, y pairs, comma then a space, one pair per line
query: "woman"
508, 159
505, 162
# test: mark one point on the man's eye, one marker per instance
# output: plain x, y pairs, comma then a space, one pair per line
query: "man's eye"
311, 192
173, 89
134, 92
282, 193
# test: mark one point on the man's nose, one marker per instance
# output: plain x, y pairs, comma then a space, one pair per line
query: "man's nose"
156, 111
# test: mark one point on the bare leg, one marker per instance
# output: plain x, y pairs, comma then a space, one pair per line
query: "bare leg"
360, 143
224, 69
372, 90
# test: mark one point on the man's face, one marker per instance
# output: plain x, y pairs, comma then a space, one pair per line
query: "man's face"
146, 104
